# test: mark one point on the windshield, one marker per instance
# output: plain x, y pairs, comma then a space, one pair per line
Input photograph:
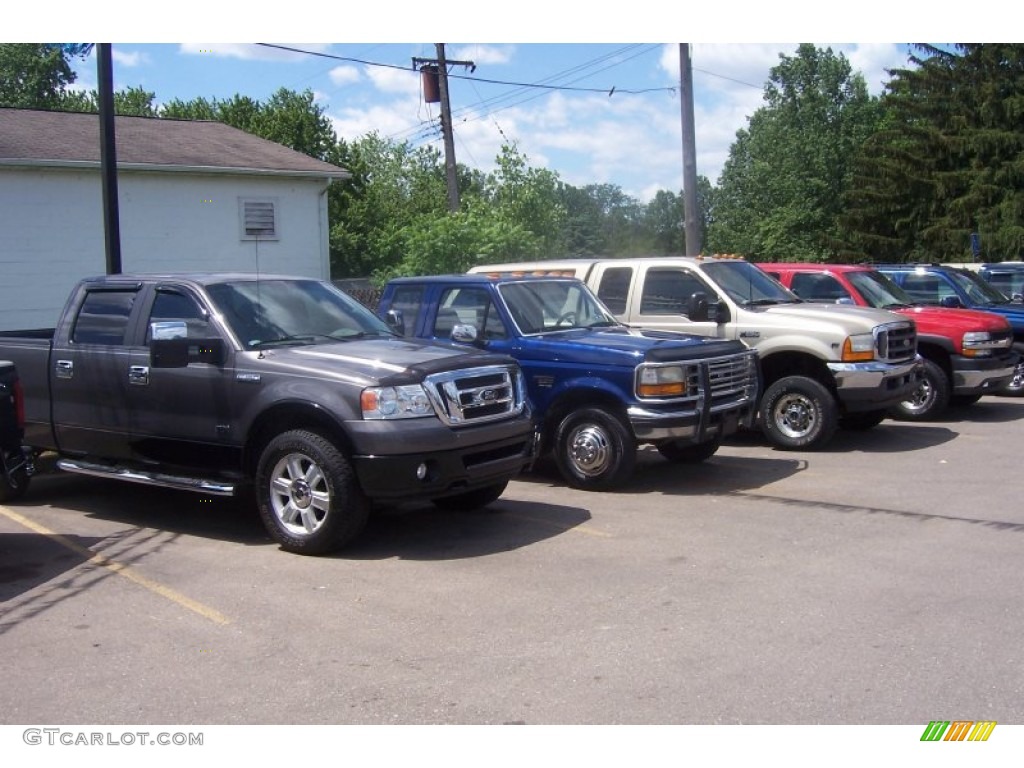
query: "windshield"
879, 290
747, 285
977, 290
274, 312
554, 305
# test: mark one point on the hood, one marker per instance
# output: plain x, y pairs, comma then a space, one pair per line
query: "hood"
623, 346
942, 320
1012, 312
846, 318
368, 362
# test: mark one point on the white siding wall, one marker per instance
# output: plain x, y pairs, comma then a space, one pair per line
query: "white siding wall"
51, 232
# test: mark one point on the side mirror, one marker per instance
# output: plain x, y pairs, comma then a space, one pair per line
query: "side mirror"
950, 301
697, 307
168, 329
395, 320
179, 352
465, 334
1018, 298
722, 314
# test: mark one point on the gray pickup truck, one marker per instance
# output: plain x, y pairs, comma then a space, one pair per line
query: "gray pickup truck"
212, 383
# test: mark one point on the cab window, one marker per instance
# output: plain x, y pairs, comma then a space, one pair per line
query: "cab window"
667, 291
103, 318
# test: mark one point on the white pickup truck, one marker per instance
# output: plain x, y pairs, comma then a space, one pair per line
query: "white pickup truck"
824, 366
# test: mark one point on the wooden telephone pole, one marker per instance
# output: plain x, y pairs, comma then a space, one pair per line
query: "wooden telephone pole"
438, 68
691, 212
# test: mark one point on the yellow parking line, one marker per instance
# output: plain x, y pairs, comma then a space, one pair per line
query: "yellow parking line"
94, 558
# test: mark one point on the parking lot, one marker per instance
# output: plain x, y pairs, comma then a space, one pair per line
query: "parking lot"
877, 581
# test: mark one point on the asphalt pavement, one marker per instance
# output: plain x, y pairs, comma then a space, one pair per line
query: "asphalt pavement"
878, 581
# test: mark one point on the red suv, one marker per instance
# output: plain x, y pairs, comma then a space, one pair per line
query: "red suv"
966, 353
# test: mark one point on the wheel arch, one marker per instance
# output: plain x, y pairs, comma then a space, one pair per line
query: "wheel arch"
284, 417
573, 400
778, 365
929, 349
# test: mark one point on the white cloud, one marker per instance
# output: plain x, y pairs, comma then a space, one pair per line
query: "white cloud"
252, 51
402, 120
390, 80
128, 59
483, 54
872, 60
345, 75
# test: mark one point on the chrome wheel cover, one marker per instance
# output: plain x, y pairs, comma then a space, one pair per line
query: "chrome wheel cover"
589, 450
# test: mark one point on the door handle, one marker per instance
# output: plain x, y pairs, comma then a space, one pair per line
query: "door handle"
65, 369
138, 374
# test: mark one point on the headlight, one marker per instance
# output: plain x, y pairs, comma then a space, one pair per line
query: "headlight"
406, 402
858, 348
981, 343
662, 381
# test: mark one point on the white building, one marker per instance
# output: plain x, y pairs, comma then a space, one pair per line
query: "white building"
193, 196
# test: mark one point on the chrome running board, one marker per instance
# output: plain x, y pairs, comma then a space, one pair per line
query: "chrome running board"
195, 484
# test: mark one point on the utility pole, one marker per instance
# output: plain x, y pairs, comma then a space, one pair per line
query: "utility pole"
439, 67
691, 213
108, 158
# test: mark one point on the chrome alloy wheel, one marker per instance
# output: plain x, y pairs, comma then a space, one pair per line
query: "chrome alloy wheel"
795, 415
299, 494
921, 399
1015, 385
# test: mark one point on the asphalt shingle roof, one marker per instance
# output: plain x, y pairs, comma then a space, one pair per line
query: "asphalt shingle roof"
37, 137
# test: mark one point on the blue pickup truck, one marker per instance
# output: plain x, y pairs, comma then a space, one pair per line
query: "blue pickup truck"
598, 387
946, 286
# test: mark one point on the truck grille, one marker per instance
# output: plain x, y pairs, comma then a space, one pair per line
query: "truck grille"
896, 342
476, 395
730, 379
732, 376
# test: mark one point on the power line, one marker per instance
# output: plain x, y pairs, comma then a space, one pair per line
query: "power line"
609, 91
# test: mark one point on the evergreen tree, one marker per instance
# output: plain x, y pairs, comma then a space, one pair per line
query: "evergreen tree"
948, 162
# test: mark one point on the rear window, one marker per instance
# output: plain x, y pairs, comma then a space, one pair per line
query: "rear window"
103, 318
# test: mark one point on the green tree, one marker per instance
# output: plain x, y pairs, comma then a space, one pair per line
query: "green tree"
665, 219
392, 186
780, 193
528, 197
33, 75
948, 161
134, 101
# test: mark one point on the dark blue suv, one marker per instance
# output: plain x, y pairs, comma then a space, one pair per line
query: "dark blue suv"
946, 286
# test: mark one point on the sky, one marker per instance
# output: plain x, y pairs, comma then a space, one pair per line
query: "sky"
593, 112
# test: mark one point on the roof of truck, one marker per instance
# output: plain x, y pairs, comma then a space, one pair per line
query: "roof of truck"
479, 277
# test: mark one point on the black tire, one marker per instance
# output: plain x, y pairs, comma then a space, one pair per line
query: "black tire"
1015, 386
475, 499
930, 398
12, 492
681, 452
798, 413
963, 400
307, 494
594, 449
862, 420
